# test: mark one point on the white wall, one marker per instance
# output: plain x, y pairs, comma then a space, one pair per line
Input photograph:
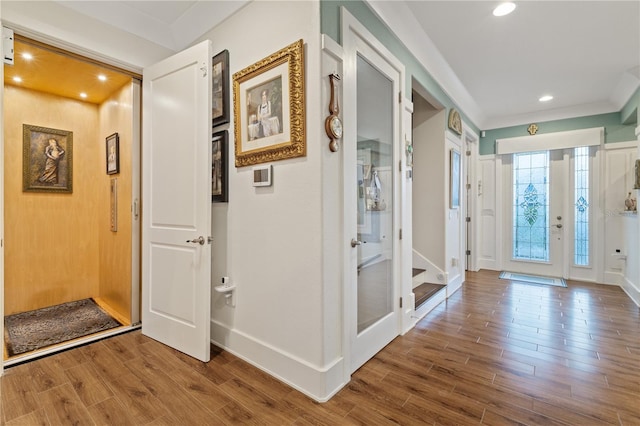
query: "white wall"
618, 182
488, 246
270, 240
429, 170
454, 217
621, 228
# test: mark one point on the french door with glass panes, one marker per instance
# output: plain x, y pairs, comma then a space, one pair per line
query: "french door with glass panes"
547, 198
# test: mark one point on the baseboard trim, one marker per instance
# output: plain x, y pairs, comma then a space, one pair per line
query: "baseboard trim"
318, 383
632, 291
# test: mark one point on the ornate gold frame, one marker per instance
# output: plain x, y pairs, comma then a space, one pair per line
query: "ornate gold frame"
291, 140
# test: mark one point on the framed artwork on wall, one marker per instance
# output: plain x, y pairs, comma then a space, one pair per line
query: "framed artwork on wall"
47, 159
113, 154
220, 100
268, 102
454, 179
220, 167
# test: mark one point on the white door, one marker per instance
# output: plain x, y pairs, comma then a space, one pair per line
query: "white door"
372, 85
536, 199
176, 187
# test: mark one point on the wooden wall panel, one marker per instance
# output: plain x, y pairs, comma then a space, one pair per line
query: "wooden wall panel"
51, 240
115, 247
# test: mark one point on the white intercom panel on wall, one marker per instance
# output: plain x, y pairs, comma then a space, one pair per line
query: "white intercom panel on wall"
7, 45
262, 176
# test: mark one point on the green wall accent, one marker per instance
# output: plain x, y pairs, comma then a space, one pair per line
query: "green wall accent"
631, 111
614, 130
330, 25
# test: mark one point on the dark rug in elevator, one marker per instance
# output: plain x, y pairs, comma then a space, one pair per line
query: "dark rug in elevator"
31, 330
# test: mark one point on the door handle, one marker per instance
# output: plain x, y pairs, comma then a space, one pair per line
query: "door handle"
355, 242
558, 225
199, 240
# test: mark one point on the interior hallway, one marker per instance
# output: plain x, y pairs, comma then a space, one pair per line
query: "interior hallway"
495, 353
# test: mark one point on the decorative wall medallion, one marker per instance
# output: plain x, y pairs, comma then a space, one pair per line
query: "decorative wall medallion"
532, 129
455, 123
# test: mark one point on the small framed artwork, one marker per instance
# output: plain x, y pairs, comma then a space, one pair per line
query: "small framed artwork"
220, 100
637, 173
113, 154
219, 167
454, 179
268, 103
47, 159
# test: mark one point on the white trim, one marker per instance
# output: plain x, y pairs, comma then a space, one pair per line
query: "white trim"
317, 382
356, 37
551, 141
70, 345
1, 203
471, 143
632, 291
330, 46
621, 145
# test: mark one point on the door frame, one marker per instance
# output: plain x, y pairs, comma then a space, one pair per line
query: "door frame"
558, 255
592, 137
2, 204
353, 32
136, 168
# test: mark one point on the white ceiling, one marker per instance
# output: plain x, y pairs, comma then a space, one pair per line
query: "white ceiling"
584, 53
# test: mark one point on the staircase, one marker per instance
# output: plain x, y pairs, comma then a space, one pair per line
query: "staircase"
423, 290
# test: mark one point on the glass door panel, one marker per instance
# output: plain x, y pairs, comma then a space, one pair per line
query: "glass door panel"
375, 194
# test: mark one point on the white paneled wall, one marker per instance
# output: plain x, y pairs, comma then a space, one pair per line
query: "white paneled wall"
487, 209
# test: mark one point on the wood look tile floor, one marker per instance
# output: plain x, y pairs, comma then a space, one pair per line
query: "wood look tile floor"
497, 352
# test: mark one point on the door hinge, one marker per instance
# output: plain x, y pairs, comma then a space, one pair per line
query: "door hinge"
399, 97
468, 252
401, 302
468, 153
468, 186
467, 219
400, 233
400, 165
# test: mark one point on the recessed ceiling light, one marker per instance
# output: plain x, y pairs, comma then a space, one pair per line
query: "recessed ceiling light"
545, 98
17, 79
102, 77
27, 56
83, 95
504, 9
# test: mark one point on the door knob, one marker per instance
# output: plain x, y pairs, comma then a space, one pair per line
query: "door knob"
355, 242
199, 240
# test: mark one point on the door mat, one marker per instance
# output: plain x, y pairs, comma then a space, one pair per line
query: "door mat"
28, 331
532, 279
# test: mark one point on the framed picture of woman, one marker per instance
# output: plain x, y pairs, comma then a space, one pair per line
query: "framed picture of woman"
47, 159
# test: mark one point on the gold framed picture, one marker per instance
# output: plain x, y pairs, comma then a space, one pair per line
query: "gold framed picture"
47, 159
269, 108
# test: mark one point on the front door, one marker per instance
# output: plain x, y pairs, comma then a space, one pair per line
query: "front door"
536, 195
372, 123
176, 186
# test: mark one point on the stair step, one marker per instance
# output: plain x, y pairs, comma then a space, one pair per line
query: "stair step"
424, 291
417, 271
